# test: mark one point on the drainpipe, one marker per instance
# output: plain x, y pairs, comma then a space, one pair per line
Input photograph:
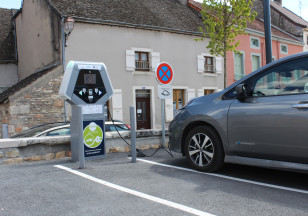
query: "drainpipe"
63, 62
16, 51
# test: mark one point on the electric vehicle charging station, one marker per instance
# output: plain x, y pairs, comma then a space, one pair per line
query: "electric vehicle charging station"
87, 87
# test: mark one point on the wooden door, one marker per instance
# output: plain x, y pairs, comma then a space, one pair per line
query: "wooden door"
143, 113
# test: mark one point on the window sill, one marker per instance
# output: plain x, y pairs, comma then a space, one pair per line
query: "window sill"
143, 72
209, 74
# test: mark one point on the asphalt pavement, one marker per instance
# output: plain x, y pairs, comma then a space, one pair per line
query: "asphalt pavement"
158, 185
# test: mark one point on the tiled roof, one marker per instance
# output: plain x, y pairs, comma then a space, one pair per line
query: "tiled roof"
289, 14
158, 13
7, 41
257, 25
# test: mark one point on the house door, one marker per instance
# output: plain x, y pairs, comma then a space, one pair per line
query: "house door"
143, 110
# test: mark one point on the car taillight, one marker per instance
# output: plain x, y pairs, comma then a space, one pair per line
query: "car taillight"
127, 126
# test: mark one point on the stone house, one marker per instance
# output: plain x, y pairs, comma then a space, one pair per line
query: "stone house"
252, 47
131, 37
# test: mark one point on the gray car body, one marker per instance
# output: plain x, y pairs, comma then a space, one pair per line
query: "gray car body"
260, 131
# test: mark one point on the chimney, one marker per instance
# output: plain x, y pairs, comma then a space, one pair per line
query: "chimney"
278, 2
182, 2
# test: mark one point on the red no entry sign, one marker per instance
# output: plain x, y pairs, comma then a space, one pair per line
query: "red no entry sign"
164, 73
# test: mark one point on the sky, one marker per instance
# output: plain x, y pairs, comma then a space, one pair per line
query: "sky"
300, 7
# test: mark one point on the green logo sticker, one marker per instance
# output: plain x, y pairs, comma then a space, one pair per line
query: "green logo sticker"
92, 135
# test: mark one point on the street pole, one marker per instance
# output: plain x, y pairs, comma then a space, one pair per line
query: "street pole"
267, 30
133, 133
163, 121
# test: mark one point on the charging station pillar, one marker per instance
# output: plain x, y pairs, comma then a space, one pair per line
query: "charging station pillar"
87, 87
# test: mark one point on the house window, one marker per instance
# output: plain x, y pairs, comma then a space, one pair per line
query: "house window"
256, 62
208, 64
238, 66
284, 49
208, 91
142, 61
254, 43
178, 99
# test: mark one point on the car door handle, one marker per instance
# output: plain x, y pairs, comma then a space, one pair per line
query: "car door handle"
300, 106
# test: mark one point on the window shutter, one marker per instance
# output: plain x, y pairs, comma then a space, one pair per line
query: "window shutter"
190, 94
218, 65
130, 60
200, 59
200, 92
117, 113
169, 110
155, 59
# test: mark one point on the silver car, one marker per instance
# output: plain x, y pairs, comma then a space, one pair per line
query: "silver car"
260, 120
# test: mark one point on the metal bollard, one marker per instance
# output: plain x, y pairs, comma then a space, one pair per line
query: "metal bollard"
133, 133
5, 131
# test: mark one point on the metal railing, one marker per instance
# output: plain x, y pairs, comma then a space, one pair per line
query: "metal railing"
142, 65
209, 69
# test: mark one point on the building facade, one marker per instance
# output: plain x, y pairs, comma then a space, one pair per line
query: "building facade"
130, 37
252, 53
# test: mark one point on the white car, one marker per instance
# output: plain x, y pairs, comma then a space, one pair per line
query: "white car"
62, 129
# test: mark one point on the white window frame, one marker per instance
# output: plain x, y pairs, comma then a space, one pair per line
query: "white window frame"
217, 61
252, 45
256, 54
283, 52
201, 91
214, 65
243, 66
154, 59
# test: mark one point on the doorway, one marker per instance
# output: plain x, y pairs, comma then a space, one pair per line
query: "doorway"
143, 110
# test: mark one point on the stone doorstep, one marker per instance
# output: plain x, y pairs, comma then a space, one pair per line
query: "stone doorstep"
67, 154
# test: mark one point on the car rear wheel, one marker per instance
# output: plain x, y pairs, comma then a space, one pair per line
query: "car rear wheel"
203, 149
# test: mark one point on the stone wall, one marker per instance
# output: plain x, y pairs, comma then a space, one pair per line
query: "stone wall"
16, 151
35, 104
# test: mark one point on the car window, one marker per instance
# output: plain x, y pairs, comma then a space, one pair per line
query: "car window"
288, 78
37, 130
59, 132
119, 127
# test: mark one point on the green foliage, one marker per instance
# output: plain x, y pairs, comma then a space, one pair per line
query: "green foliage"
223, 21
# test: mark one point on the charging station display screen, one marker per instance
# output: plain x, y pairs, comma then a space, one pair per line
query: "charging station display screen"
89, 79
89, 86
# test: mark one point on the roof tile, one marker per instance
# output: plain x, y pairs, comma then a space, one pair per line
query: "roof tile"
159, 13
7, 41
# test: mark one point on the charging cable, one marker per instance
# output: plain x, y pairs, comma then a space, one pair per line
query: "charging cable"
139, 152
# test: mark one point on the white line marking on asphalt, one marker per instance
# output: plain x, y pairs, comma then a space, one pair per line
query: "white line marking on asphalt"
228, 177
136, 193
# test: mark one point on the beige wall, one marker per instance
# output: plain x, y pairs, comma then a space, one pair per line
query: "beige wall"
93, 42
38, 37
8, 74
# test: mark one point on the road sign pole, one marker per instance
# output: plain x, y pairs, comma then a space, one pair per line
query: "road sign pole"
163, 121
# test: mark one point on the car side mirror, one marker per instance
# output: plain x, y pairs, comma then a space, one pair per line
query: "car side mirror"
241, 91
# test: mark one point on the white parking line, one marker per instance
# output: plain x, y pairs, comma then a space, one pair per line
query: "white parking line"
227, 177
136, 193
